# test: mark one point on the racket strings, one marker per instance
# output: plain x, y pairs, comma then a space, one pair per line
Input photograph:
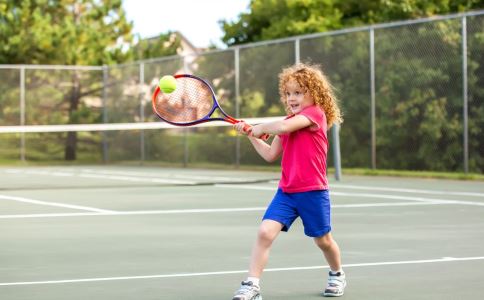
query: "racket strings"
190, 101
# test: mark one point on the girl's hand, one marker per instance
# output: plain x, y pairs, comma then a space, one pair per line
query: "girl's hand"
256, 131
240, 127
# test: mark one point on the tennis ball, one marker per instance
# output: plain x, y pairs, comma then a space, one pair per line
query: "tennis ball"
167, 84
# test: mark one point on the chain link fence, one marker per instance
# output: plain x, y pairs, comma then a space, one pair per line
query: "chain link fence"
412, 94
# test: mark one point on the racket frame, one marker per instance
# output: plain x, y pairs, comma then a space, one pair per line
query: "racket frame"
207, 117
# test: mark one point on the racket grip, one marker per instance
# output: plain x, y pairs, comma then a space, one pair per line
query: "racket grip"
248, 130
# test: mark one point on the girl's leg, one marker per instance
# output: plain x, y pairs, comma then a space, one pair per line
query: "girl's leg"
337, 278
331, 251
268, 231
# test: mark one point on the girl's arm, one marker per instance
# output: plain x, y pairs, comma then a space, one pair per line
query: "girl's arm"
268, 152
281, 127
271, 152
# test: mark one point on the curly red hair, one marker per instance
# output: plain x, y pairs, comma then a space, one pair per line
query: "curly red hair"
313, 81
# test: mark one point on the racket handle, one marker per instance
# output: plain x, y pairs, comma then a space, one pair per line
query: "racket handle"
248, 130
265, 137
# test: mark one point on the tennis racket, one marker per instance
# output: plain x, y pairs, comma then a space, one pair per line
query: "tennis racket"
192, 102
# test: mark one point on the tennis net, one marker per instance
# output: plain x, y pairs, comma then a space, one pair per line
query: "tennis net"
126, 154
212, 142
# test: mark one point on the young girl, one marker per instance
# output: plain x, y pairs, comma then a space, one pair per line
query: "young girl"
303, 188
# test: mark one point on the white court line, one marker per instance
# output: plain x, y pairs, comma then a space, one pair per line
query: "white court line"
118, 177
246, 187
191, 211
441, 201
416, 191
135, 179
130, 176
357, 195
170, 175
32, 201
385, 263
100, 212
136, 212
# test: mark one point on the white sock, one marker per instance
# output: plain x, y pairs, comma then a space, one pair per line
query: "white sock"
340, 270
254, 280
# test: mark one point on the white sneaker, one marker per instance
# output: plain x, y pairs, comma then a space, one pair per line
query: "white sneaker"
248, 291
336, 284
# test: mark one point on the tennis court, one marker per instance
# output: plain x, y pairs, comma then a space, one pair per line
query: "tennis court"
112, 232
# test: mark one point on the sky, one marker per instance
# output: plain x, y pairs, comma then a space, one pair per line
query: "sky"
197, 20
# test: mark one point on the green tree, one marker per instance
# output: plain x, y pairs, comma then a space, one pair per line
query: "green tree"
65, 32
270, 19
165, 44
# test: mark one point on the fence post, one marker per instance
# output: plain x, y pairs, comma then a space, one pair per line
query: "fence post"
297, 50
465, 95
237, 103
372, 91
186, 148
105, 113
142, 109
22, 112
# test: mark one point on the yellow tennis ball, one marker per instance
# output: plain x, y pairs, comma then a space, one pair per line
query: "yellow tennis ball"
167, 84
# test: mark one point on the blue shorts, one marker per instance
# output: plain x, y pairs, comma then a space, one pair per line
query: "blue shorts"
313, 207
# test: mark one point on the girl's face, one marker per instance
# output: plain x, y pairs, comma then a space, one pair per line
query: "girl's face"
296, 98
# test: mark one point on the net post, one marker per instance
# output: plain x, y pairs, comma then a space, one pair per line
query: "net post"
336, 151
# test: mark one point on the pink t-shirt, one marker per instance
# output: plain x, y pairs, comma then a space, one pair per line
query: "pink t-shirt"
304, 155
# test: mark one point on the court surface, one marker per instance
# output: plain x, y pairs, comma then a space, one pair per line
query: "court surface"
147, 233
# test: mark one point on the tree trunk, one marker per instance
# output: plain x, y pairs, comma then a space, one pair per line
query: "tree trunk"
70, 152
71, 146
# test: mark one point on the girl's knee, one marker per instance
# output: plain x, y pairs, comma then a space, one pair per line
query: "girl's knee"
324, 242
268, 232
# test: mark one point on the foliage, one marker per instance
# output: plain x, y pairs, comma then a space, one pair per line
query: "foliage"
270, 19
163, 45
65, 32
